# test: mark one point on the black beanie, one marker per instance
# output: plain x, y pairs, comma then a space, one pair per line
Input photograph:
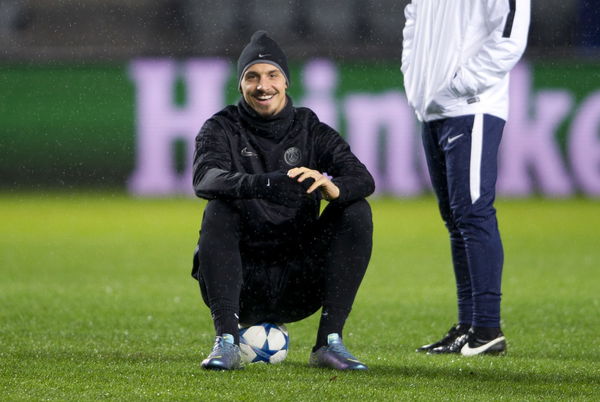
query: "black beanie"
262, 49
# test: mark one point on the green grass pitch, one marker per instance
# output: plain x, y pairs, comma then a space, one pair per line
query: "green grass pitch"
97, 302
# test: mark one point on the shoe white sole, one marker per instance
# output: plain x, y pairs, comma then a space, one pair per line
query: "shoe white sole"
467, 351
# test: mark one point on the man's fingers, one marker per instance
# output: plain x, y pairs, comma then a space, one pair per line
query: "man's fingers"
296, 171
316, 184
302, 173
292, 173
305, 175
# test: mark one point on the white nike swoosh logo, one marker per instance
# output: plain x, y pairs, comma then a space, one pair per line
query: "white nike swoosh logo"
456, 137
467, 351
245, 152
260, 55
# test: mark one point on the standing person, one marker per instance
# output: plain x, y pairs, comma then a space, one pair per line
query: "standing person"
456, 59
265, 252
587, 25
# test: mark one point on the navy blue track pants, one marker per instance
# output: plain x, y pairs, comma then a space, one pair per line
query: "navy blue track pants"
462, 159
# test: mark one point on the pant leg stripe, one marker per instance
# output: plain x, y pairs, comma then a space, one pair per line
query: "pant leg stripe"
476, 150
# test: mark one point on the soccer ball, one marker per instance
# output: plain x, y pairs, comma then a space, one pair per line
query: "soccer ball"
264, 342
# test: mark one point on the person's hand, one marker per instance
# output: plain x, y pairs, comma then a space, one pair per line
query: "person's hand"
328, 189
277, 187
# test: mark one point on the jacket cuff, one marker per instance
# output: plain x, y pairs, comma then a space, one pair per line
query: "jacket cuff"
343, 193
249, 186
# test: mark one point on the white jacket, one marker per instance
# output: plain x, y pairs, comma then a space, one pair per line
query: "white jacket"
457, 55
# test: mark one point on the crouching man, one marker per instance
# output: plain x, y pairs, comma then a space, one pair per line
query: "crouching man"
266, 253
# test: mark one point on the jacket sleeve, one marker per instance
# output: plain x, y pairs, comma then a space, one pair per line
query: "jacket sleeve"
213, 175
408, 33
337, 160
508, 22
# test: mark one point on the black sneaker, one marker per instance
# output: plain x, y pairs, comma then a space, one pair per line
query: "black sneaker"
489, 341
454, 347
448, 339
335, 356
224, 356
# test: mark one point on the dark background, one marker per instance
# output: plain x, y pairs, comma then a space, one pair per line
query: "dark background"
113, 30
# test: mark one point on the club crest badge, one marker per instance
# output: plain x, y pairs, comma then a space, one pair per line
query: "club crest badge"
292, 156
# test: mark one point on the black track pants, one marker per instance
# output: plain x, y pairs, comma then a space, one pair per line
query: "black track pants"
290, 281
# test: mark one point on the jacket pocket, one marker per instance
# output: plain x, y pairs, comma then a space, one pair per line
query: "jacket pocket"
443, 101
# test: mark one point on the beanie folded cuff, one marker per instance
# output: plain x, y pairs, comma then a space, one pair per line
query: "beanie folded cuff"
257, 61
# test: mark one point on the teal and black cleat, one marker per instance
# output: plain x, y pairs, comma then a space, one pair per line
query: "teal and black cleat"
335, 356
224, 356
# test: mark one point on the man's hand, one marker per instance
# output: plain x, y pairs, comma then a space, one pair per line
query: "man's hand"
328, 189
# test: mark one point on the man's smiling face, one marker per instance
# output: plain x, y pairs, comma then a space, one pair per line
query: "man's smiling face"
263, 87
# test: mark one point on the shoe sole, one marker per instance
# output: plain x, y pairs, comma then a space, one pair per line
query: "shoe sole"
217, 366
352, 368
494, 347
220, 368
445, 352
357, 367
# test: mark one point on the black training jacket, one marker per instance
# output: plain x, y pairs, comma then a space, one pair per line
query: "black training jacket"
230, 151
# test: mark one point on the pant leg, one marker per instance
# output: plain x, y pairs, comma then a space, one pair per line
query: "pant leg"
326, 269
219, 264
344, 244
470, 145
279, 283
436, 163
